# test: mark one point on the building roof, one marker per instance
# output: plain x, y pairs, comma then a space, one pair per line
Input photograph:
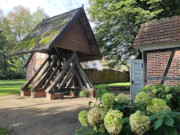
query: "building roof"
166, 30
50, 31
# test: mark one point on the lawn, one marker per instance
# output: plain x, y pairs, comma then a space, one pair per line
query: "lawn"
118, 84
13, 86
3, 131
10, 86
115, 84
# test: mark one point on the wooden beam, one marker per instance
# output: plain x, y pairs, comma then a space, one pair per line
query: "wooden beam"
84, 74
67, 75
43, 77
81, 73
61, 75
32, 78
164, 78
51, 76
57, 51
78, 79
70, 80
145, 66
168, 65
28, 60
163, 50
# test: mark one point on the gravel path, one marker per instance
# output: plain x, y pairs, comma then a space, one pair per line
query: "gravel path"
27, 116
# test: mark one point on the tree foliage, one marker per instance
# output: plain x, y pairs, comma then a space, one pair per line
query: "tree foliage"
14, 27
118, 21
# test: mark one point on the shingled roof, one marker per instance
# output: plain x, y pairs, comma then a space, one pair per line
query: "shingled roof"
166, 30
50, 31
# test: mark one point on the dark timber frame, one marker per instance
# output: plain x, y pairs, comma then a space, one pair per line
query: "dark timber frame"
164, 77
71, 76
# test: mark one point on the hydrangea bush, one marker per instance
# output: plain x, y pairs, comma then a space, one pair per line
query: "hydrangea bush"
139, 123
111, 122
155, 111
83, 94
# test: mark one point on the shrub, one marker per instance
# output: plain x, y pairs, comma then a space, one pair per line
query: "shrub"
84, 94
158, 105
154, 112
143, 98
108, 99
123, 98
83, 118
139, 123
111, 122
95, 116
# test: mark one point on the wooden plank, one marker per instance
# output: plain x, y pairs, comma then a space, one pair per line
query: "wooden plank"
51, 76
78, 79
32, 78
81, 73
168, 65
67, 75
43, 77
84, 74
73, 46
75, 39
61, 75
70, 80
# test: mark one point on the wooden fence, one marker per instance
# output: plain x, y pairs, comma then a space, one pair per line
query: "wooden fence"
107, 76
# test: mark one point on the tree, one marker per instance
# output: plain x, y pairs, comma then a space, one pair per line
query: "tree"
15, 26
118, 21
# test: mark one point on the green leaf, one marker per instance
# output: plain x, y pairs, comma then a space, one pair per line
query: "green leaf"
170, 131
121, 121
153, 117
169, 121
157, 124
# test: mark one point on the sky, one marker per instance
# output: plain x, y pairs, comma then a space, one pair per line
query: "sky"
51, 7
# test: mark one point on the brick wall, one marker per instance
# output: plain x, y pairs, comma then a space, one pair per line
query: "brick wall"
156, 64
35, 62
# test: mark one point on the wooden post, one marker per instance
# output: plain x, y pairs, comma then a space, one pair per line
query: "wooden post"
168, 66
145, 66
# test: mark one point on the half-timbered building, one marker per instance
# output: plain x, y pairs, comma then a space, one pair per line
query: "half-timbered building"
159, 42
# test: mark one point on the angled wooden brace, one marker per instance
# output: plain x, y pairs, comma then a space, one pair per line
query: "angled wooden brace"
83, 76
62, 73
67, 75
81, 68
51, 76
43, 77
32, 78
79, 79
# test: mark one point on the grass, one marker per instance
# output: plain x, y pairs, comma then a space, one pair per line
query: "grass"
10, 86
117, 84
13, 86
3, 131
